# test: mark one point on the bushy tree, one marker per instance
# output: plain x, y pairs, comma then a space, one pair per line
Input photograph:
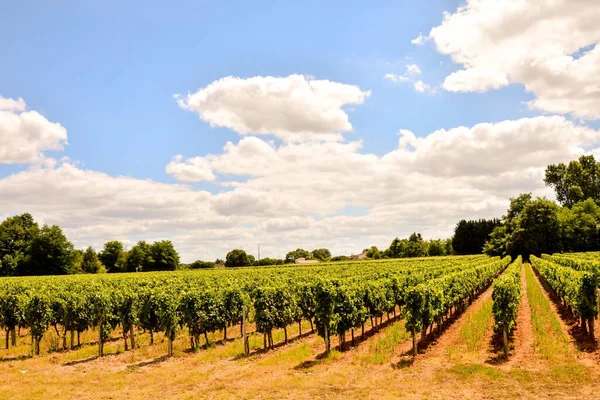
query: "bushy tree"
164, 256
236, 258
139, 258
575, 182
321, 254
90, 263
16, 234
49, 253
373, 252
112, 256
436, 247
470, 236
298, 253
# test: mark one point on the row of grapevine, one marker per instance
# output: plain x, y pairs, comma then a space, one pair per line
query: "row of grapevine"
429, 302
577, 289
506, 296
336, 298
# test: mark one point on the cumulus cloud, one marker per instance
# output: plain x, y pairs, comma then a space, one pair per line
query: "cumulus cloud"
25, 135
293, 108
195, 169
422, 87
550, 46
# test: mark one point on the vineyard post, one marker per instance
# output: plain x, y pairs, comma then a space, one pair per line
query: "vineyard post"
244, 333
414, 340
132, 337
505, 339
170, 345
100, 344
327, 344
7, 337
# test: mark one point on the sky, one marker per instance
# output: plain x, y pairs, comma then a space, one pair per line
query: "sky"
222, 125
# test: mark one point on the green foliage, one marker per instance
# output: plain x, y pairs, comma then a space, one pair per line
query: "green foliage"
236, 258
50, 253
470, 236
112, 256
16, 234
575, 182
321, 254
298, 253
373, 253
506, 296
201, 264
90, 263
139, 258
163, 257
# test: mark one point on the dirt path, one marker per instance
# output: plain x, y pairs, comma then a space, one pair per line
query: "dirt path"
436, 353
523, 336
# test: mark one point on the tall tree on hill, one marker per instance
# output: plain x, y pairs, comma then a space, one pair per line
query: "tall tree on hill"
16, 233
90, 263
236, 258
470, 236
49, 253
112, 256
164, 256
575, 182
321, 254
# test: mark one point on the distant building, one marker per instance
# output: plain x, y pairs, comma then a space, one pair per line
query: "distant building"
303, 260
359, 256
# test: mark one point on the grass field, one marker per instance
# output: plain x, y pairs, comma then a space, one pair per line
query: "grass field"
457, 364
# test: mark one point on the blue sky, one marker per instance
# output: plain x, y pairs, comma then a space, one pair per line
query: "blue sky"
107, 72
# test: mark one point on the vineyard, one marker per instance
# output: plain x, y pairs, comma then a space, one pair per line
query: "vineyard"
411, 310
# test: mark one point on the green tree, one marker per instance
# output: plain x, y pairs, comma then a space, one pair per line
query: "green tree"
298, 253
575, 182
321, 254
579, 226
470, 236
16, 234
436, 247
236, 258
90, 263
112, 256
50, 253
373, 253
139, 258
164, 256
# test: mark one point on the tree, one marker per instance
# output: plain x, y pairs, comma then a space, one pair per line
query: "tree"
436, 247
16, 233
373, 253
579, 226
164, 257
470, 236
139, 258
321, 254
530, 227
112, 256
198, 264
416, 247
295, 254
50, 253
236, 258
575, 182
90, 263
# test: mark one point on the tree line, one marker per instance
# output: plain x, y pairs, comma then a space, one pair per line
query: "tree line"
27, 249
538, 225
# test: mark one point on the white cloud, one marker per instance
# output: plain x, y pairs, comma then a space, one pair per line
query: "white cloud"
195, 169
412, 71
293, 108
12, 105
419, 40
293, 194
25, 135
397, 78
422, 87
549, 46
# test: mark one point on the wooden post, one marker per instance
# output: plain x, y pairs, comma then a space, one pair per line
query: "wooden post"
100, 344
170, 346
7, 337
591, 324
505, 340
414, 338
132, 337
244, 333
327, 344
72, 344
